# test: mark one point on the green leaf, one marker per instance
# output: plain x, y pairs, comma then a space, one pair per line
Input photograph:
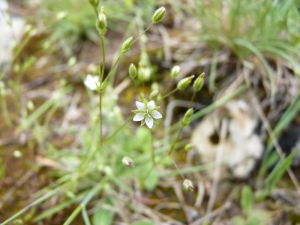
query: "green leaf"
247, 200
143, 139
151, 180
279, 170
103, 217
143, 222
269, 160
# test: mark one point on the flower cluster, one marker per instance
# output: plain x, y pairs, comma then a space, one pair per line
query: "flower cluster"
146, 113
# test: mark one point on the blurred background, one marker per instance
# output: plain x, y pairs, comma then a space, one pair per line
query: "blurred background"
249, 105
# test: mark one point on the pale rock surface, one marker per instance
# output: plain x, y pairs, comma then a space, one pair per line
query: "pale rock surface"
242, 147
10, 33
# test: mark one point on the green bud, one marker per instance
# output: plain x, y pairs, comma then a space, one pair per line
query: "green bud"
198, 84
187, 117
132, 71
72, 61
184, 83
158, 15
94, 3
144, 73
30, 105
188, 185
154, 94
175, 71
127, 44
154, 86
188, 147
101, 22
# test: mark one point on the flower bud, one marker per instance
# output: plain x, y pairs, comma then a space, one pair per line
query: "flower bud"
188, 185
30, 105
127, 44
198, 84
154, 94
158, 15
184, 83
144, 73
187, 117
127, 161
94, 3
175, 71
132, 71
102, 22
188, 147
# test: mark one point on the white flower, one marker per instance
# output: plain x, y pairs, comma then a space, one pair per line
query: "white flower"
92, 82
146, 113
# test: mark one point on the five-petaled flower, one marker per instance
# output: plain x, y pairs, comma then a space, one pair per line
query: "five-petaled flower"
92, 82
146, 113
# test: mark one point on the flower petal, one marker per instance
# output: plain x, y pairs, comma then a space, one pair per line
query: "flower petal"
151, 105
149, 121
91, 82
156, 115
140, 105
139, 117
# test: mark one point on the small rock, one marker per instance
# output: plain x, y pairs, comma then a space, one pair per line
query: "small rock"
242, 147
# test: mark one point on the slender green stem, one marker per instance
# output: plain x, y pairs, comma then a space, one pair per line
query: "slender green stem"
194, 93
113, 67
173, 145
85, 216
171, 92
101, 71
152, 149
142, 33
103, 58
100, 116
117, 130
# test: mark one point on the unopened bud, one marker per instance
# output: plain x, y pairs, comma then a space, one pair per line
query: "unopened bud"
127, 44
184, 83
198, 84
72, 61
144, 73
102, 22
132, 71
30, 105
175, 71
127, 161
187, 117
154, 94
188, 185
188, 147
158, 15
94, 3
